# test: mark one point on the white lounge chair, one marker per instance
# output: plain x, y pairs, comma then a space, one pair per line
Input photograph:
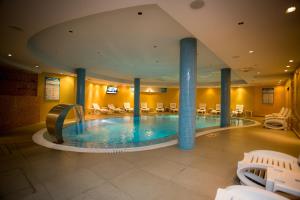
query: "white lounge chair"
202, 108
114, 109
239, 110
240, 192
96, 109
217, 110
160, 107
173, 107
144, 107
279, 122
282, 110
270, 170
127, 107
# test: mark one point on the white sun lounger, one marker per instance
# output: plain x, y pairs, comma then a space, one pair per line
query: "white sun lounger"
278, 122
96, 109
239, 110
240, 192
160, 107
281, 112
202, 108
144, 107
270, 170
173, 107
127, 107
217, 110
113, 108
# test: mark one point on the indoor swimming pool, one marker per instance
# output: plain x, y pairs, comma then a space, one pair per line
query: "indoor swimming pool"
131, 132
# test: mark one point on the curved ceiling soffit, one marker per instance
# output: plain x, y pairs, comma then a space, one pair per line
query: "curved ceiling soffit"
50, 61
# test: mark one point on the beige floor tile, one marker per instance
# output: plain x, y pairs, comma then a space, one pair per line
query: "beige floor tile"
173, 191
72, 184
199, 181
163, 168
111, 168
105, 191
140, 184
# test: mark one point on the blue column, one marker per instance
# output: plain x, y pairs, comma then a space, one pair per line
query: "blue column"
80, 95
225, 96
188, 81
136, 97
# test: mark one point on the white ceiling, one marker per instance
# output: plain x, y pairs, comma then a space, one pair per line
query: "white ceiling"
125, 40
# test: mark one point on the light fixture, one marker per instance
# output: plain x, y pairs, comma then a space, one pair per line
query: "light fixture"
291, 61
251, 51
9, 55
288, 66
196, 4
286, 70
291, 9
37, 66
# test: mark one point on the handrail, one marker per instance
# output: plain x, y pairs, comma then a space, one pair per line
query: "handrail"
56, 117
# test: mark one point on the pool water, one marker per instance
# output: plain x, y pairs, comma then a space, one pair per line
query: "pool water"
129, 131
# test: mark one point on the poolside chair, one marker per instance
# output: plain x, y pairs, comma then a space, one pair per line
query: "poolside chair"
202, 108
217, 110
270, 170
282, 110
96, 109
114, 109
144, 107
173, 107
240, 192
160, 107
127, 107
239, 110
279, 122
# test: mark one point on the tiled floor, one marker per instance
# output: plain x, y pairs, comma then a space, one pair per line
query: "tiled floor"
29, 171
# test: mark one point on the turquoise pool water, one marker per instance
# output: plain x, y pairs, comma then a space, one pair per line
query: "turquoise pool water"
132, 132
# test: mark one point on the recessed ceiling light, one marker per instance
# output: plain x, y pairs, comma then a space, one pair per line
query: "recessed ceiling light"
140, 13
291, 9
37, 66
291, 61
9, 55
251, 51
286, 70
288, 66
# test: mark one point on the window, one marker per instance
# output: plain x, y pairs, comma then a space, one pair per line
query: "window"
268, 95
